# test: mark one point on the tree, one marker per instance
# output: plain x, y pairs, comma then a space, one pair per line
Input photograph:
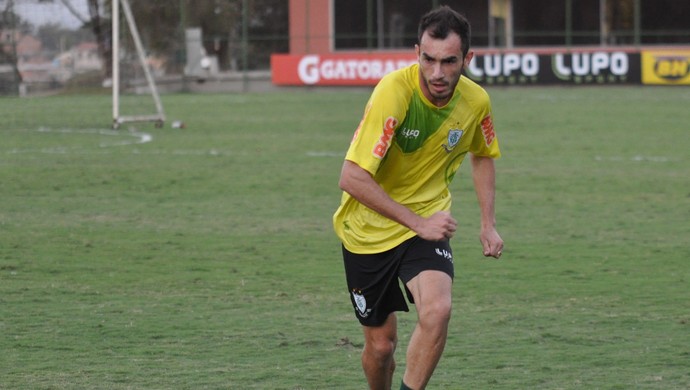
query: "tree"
162, 24
11, 28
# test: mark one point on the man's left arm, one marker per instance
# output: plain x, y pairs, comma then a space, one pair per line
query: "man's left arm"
484, 176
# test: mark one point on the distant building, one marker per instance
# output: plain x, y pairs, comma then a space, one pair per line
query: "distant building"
86, 57
29, 48
81, 58
33, 66
39, 71
320, 27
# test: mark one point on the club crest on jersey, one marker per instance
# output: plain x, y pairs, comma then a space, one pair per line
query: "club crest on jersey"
454, 136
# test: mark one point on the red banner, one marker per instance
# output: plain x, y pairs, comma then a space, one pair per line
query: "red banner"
336, 69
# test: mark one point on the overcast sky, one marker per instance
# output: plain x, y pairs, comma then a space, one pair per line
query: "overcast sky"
39, 14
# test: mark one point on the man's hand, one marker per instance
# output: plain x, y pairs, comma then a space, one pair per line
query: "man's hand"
438, 227
360, 185
491, 242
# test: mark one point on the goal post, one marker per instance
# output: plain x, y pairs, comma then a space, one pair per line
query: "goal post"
118, 118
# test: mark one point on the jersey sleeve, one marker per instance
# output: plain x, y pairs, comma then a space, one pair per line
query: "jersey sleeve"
385, 111
485, 141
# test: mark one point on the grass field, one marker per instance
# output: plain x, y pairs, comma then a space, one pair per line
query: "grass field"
203, 258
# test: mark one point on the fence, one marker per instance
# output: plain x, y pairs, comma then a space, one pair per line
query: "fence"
237, 37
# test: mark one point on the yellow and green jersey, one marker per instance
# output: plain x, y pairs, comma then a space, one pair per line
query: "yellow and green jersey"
412, 149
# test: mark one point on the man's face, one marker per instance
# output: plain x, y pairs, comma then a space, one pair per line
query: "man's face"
440, 65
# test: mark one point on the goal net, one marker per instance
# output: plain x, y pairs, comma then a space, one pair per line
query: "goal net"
135, 95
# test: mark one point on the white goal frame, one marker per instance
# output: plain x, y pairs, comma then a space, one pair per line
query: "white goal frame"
118, 119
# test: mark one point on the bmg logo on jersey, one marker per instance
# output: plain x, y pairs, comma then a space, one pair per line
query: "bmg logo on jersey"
488, 130
385, 141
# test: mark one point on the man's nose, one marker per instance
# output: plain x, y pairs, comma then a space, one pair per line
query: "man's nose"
437, 71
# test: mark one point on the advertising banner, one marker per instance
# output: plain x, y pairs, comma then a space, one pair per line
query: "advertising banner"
592, 66
336, 69
557, 67
666, 67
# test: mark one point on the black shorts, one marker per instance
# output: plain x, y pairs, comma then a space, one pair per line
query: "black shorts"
372, 279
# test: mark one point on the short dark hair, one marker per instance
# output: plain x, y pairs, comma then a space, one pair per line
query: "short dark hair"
442, 21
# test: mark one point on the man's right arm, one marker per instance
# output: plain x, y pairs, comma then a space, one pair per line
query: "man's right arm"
358, 182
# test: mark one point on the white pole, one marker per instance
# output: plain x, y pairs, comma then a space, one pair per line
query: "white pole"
142, 57
116, 61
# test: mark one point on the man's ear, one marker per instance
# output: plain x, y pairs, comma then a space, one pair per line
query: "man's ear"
468, 58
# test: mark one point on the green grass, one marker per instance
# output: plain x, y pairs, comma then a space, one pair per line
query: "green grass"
206, 259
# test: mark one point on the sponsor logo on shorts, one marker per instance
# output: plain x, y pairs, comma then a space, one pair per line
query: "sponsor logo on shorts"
448, 255
361, 303
454, 136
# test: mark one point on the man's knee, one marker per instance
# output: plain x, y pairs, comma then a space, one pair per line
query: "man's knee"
432, 296
381, 341
381, 350
435, 313
382, 347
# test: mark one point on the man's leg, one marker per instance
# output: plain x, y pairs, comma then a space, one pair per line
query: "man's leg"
432, 295
377, 358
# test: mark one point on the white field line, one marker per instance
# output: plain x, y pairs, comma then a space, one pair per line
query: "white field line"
136, 137
313, 153
132, 137
637, 158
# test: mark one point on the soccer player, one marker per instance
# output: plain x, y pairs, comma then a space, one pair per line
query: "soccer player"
394, 219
